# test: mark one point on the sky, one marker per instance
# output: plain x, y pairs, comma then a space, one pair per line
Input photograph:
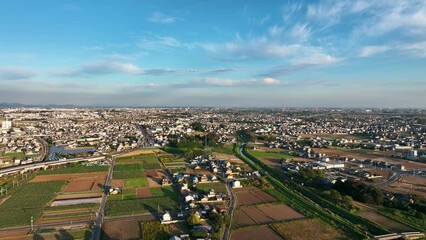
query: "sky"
214, 53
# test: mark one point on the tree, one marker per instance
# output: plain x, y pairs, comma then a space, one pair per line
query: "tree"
194, 218
197, 126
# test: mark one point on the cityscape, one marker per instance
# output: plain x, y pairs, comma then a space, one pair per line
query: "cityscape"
223, 120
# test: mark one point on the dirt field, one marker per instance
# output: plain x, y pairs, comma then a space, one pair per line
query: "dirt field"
241, 218
143, 192
253, 196
387, 223
280, 212
117, 183
12, 235
347, 153
308, 229
78, 182
256, 233
142, 151
264, 214
225, 156
408, 185
154, 177
128, 230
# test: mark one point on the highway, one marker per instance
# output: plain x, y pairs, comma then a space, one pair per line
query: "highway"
100, 216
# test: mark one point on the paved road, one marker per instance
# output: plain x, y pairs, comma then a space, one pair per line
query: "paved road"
231, 208
45, 148
100, 217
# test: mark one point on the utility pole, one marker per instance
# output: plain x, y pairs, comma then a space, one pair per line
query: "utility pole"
32, 223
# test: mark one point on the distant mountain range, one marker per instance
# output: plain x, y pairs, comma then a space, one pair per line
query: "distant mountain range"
19, 105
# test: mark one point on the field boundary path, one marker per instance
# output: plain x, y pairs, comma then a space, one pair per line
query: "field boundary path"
100, 218
232, 203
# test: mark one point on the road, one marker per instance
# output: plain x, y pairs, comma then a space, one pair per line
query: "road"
231, 208
45, 148
100, 216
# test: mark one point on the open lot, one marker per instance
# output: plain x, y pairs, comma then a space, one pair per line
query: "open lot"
77, 182
143, 192
255, 233
263, 214
308, 229
121, 230
387, 223
217, 186
250, 196
331, 152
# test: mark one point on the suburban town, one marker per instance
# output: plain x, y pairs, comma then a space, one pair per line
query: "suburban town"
212, 173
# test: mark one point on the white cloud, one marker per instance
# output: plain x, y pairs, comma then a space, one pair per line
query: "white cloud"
270, 81
226, 82
368, 51
158, 17
16, 73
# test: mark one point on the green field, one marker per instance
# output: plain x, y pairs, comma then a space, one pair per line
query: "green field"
226, 149
75, 168
137, 206
26, 201
147, 161
269, 155
128, 171
205, 187
166, 191
135, 182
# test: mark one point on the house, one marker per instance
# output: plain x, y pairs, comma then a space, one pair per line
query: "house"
211, 193
183, 186
189, 198
236, 184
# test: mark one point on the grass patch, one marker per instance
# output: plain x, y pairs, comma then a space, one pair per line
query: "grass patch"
136, 182
137, 206
205, 187
166, 191
128, 171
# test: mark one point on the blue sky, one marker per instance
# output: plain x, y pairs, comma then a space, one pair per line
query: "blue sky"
339, 53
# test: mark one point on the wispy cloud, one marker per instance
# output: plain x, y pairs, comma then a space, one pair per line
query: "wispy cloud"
158, 17
101, 68
221, 70
155, 42
16, 73
262, 48
368, 51
227, 82
116, 67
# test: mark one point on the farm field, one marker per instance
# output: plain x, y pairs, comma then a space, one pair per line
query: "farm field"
217, 186
255, 233
121, 230
263, 214
386, 222
147, 161
77, 182
138, 206
75, 168
28, 200
142, 151
154, 177
252, 195
273, 157
308, 229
